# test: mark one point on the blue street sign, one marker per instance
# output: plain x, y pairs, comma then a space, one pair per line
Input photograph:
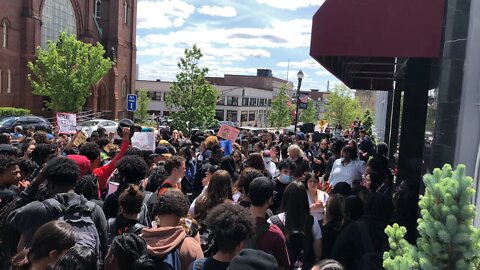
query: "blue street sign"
131, 103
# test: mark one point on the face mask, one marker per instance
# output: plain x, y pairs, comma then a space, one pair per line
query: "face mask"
286, 179
267, 159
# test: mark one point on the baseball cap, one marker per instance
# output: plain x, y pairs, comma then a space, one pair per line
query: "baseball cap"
161, 150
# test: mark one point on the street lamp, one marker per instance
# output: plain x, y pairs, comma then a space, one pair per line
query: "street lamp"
300, 78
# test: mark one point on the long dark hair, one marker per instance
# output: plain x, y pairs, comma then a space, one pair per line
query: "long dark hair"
219, 190
255, 160
296, 207
54, 235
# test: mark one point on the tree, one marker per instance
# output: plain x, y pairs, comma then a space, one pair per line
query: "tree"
342, 107
280, 113
143, 105
309, 115
65, 72
192, 97
447, 239
367, 121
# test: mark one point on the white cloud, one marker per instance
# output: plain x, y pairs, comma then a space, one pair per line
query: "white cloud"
218, 11
280, 34
291, 5
162, 14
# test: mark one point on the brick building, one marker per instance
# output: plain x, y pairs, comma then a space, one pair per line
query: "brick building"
26, 24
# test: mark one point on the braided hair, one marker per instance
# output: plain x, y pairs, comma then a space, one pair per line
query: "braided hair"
131, 252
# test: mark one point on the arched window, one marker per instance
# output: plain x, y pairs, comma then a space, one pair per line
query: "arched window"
57, 16
125, 17
124, 87
5, 26
9, 81
98, 8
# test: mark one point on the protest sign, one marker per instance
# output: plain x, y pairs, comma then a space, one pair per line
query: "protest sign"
228, 133
80, 138
144, 141
67, 123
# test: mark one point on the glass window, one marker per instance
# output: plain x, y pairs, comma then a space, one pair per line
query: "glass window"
269, 103
124, 87
125, 16
262, 102
9, 81
219, 115
244, 116
5, 33
232, 101
156, 95
253, 102
232, 116
251, 116
221, 101
166, 113
57, 16
98, 8
245, 102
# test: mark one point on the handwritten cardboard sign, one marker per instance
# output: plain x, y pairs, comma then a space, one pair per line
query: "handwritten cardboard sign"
67, 123
228, 133
81, 138
144, 140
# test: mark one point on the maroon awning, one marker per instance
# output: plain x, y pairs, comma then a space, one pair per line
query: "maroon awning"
362, 41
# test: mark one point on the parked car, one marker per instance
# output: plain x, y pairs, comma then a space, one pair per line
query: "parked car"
7, 124
92, 125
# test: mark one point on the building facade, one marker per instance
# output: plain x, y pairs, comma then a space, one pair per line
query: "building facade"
244, 100
320, 100
27, 24
366, 99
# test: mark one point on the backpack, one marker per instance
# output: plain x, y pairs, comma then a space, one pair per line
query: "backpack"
251, 243
170, 262
79, 216
144, 217
207, 240
114, 231
370, 260
163, 188
299, 244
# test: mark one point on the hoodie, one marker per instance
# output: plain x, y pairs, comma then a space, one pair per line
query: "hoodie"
161, 241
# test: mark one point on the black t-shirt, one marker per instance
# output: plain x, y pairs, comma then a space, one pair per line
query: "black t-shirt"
212, 264
279, 187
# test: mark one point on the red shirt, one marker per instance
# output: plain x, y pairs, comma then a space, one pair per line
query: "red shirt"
104, 172
273, 242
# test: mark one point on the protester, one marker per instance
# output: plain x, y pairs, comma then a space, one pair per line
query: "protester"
128, 252
219, 191
268, 238
171, 231
285, 177
347, 169
317, 199
77, 258
232, 225
47, 246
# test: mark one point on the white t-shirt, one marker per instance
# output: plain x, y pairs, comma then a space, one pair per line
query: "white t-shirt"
191, 210
352, 171
317, 232
323, 197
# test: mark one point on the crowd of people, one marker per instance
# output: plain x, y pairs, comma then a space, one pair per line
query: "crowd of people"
265, 201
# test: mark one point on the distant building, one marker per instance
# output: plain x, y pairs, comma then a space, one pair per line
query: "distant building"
244, 99
366, 100
25, 25
320, 99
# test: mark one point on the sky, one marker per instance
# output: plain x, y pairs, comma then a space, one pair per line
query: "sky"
235, 37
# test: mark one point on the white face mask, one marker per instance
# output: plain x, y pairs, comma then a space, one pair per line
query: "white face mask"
267, 159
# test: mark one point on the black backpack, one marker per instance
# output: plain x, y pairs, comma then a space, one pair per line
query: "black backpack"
9, 237
370, 260
113, 229
299, 244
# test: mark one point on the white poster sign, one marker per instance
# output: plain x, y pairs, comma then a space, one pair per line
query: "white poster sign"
144, 141
67, 123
